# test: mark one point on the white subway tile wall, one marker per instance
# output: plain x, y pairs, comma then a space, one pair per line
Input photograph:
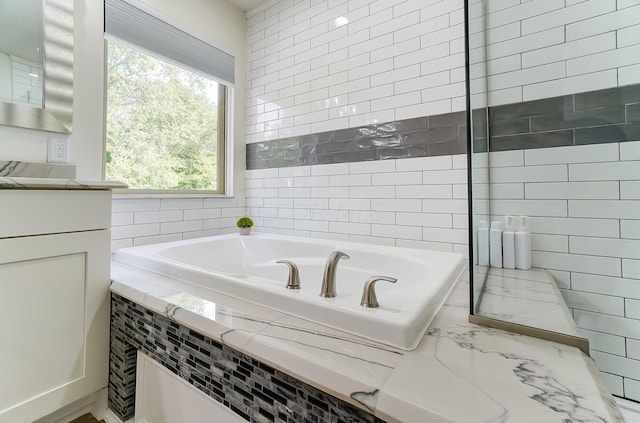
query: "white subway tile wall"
390, 202
394, 60
145, 221
543, 48
582, 199
404, 59
586, 230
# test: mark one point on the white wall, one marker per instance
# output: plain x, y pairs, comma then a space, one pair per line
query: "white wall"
546, 48
394, 60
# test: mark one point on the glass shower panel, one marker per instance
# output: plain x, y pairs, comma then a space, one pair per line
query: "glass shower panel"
479, 170
559, 85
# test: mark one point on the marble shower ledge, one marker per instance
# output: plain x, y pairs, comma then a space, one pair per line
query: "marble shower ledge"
526, 297
460, 372
55, 183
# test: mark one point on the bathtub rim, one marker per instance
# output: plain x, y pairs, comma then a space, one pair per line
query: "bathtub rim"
403, 331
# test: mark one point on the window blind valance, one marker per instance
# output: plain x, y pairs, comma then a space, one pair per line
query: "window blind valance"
133, 25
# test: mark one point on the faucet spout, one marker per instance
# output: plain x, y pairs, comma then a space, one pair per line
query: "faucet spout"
328, 289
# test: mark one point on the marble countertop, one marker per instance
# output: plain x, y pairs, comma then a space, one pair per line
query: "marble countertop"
18, 182
460, 372
17, 168
16, 174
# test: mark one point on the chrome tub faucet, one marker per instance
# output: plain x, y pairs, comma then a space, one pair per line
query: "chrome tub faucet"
328, 289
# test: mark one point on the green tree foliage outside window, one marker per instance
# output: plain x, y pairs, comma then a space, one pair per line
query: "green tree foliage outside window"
162, 123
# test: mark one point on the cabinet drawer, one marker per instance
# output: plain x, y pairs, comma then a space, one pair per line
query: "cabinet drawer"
37, 212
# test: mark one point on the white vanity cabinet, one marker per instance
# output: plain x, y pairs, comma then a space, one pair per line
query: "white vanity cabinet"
54, 299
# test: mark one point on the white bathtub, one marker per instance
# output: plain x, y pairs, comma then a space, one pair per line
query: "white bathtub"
245, 267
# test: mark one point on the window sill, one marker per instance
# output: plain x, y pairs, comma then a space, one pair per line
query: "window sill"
126, 193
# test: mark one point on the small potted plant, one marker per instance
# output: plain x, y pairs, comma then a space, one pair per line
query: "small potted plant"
245, 223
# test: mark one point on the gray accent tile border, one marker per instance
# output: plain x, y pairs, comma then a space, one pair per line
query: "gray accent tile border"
436, 135
594, 117
255, 391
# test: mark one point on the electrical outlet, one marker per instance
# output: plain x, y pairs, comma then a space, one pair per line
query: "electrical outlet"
58, 150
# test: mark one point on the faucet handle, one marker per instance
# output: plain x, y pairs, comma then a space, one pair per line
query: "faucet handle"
369, 298
294, 275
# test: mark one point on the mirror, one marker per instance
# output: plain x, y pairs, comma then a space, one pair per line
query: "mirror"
21, 47
36, 64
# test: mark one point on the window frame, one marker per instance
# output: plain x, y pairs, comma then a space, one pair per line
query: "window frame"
224, 155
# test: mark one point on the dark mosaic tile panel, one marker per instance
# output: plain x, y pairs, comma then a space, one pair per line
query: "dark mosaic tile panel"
390, 140
254, 390
602, 116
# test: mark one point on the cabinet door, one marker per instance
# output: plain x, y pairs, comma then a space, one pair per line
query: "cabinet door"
54, 321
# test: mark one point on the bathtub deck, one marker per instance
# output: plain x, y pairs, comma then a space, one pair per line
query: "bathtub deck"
495, 375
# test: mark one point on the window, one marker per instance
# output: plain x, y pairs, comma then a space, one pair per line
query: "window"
164, 124
165, 105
